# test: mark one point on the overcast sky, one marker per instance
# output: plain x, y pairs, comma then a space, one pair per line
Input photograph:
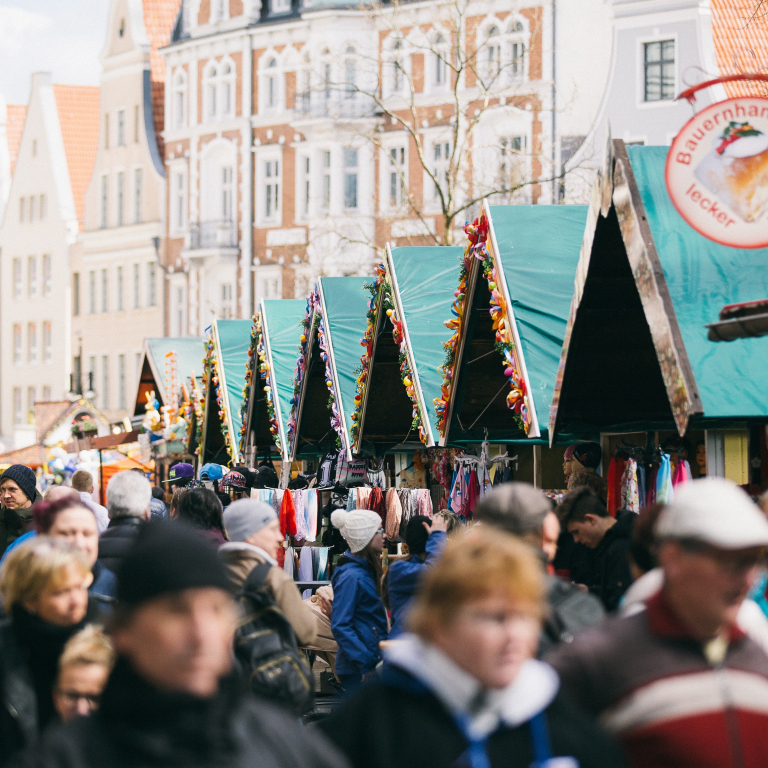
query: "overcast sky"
60, 36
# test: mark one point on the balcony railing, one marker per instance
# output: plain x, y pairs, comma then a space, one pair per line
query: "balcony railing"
212, 234
334, 104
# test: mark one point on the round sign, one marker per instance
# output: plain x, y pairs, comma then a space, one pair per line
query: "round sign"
717, 172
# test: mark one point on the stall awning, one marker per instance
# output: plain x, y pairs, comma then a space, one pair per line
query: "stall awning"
189, 354
511, 314
325, 378
274, 344
636, 349
404, 346
231, 341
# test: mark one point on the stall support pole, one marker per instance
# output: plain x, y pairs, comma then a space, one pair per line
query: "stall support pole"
101, 479
537, 466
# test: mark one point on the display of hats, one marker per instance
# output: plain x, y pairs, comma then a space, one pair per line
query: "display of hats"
181, 473
235, 479
211, 472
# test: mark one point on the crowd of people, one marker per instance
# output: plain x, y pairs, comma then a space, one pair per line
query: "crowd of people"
162, 630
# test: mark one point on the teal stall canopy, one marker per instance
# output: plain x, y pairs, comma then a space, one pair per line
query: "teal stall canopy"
511, 312
344, 302
424, 280
702, 277
189, 355
538, 246
281, 326
636, 355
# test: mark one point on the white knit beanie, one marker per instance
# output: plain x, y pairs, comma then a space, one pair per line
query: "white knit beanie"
358, 527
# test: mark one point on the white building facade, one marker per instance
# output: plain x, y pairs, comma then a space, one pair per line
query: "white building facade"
42, 219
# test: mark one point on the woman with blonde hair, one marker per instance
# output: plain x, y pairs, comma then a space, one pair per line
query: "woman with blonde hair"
44, 590
463, 687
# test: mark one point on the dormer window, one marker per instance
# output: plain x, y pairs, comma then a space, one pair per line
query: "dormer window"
280, 6
121, 31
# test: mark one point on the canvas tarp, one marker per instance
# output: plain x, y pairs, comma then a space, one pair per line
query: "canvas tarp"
281, 326
539, 246
233, 339
425, 278
345, 303
702, 277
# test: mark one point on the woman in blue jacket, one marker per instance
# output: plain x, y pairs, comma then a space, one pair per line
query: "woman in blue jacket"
358, 617
426, 540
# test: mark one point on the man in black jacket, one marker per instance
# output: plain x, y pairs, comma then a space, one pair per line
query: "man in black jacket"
128, 502
583, 513
173, 697
524, 511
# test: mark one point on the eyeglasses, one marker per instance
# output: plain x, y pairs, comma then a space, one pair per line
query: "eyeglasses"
73, 697
381, 531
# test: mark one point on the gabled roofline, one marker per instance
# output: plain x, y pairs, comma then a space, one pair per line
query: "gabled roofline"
616, 185
272, 381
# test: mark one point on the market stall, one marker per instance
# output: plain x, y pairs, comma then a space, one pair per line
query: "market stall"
637, 365
226, 354
269, 378
398, 382
510, 311
324, 382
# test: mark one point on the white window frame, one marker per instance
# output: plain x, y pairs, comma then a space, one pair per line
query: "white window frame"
326, 180
122, 388
92, 292
210, 92
179, 216
152, 284
136, 285
104, 202
517, 34
396, 77
179, 99
47, 274
219, 11
395, 174
439, 78
138, 194
226, 298
279, 7
304, 186
104, 279
491, 55
32, 277
119, 288
120, 198
641, 43
439, 166
18, 344
120, 127
266, 164
271, 83
351, 171
32, 343
47, 342
18, 279
227, 82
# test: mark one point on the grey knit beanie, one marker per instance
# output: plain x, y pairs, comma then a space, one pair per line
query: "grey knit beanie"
244, 517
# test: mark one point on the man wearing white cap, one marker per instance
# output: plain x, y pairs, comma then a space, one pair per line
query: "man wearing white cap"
254, 538
679, 683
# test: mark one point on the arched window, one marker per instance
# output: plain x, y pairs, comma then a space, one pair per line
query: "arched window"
179, 99
517, 49
210, 87
271, 81
441, 68
350, 72
493, 53
397, 67
227, 90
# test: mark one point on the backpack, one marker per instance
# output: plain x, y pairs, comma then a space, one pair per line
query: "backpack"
266, 648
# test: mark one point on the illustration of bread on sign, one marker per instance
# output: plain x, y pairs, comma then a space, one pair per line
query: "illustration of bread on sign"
736, 170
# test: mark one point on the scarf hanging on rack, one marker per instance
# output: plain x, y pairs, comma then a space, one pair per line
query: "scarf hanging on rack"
298, 511
287, 515
664, 490
682, 473
630, 497
310, 510
394, 515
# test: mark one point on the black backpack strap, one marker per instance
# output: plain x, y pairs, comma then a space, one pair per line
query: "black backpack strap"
256, 578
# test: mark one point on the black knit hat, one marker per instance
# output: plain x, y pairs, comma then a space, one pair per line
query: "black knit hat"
167, 557
23, 476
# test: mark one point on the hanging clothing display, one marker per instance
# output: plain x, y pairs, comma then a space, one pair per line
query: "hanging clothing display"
301, 520
376, 504
394, 515
630, 497
306, 570
682, 473
326, 472
664, 489
287, 515
310, 512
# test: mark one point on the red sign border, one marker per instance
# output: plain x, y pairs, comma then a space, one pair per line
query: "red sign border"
667, 165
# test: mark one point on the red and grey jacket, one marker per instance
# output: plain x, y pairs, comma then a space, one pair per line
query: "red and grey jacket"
649, 684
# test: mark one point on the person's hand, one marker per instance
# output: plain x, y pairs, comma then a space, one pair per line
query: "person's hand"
325, 599
439, 523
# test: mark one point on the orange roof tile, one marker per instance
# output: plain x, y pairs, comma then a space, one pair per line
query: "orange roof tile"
33, 456
159, 18
48, 413
13, 129
740, 35
78, 107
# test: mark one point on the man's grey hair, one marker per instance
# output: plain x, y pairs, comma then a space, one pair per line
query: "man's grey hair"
128, 495
517, 508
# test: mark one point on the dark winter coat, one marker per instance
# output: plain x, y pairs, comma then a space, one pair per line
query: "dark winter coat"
403, 578
399, 723
29, 655
138, 726
570, 610
611, 576
115, 542
104, 584
358, 618
16, 522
